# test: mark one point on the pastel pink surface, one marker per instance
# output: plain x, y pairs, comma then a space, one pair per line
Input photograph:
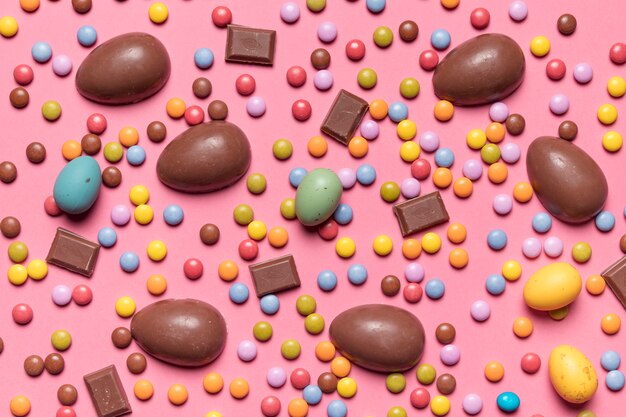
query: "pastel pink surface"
189, 27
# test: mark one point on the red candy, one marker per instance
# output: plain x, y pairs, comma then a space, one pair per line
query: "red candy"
23, 74
194, 115
420, 398
96, 124
328, 230
51, 208
555, 69
531, 362
617, 54
301, 110
193, 268
66, 412
296, 76
82, 295
412, 292
355, 50
429, 60
420, 169
245, 84
270, 406
22, 313
480, 18
248, 249
300, 378
222, 16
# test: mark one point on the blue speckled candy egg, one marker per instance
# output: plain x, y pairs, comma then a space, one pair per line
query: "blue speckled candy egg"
317, 196
78, 184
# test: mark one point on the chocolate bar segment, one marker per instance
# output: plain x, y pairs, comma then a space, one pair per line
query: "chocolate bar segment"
107, 393
275, 275
615, 277
420, 213
250, 46
344, 116
73, 252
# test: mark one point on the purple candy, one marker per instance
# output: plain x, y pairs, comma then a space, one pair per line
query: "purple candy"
246, 350
290, 12
480, 310
502, 204
414, 272
518, 10
347, 176
583, 73
323, 80
327, 32
559, 104
61, 65
410, 188
510, 153
276, 377
472, 404
256, 106
369, 130
553, 247
472, 169
450, 355
429, 141
498, 112
61, 295
120, 215
531, 247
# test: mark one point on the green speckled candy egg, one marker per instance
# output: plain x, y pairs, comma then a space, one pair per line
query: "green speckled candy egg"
78, 185
318, 196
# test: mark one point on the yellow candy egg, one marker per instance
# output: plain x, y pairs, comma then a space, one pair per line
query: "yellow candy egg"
552, 287
572, 374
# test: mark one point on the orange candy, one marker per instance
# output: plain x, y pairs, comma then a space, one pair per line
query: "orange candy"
325, 351
177, 394
463, 187
71, 149
444, 110
340, 366
595, 285
278, 236
227, 270
379, 109
522, 327
156, 284
128, 136
495, 132
523, 192
494, 371
457, 233
459, 258
19, 406
175, 108
298, 408
497, 172
29, 5
442, 177
611, 324
143, 389
239, 388
213, 383
317, 146
411, 248
358, 147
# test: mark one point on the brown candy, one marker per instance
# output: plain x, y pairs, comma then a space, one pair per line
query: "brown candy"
209, 234
19, 97
218, 110
445, 333
202, 87
446, 384
327, 382
390, 285
91, 144
622, 243
111, 176
67, 394
566, 24
8, 172
54, 363
10, 227
408, 31
81, 6
1, 345
156, 131
33, 365
35, 152
121, 337
515, 124
136, 363
568, 130
320, 59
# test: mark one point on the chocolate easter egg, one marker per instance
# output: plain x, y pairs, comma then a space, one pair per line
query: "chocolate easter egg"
482, 70
205, 157
567, 181
180, 332
125, 69
379, 337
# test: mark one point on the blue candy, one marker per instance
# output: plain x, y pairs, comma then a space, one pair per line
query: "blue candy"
615, 380
337, 408
136, 155
129, 261
496, 239
398, 111
343, 214
238, 293
508, 402
542, 222
357, 274
312, 394
444, 157
605, 221
107, 237
87, 35
610, 360
41, 52
366, 174
173, 215
327, 280
496, 284
375, 6
270, 304
203, 57
440, 39
435, 288
296, 176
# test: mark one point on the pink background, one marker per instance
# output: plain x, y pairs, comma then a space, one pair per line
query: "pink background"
189, 27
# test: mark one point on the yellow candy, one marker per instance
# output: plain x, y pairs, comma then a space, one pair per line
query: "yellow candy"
612, 141
607, 114
540, 46
37, 269
511, 270
616, 86
440, 405
406, 129
8, 26
431, 243
125, 307
143, 214
17, 274
572, 374
552, 287
383, 245
157, 250
213, 414
346, 387
345, 247
409, 151
158, 12
257, 230
476, 139
139, 195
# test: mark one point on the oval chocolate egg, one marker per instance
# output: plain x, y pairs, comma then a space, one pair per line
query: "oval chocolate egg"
123, 70
567, 181
379, 337
180, 332
482, 70
205, 158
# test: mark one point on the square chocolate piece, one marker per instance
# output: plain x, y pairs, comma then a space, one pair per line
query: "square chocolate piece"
420, 213
615, 277
344, 116
73, 252
250, 46
107, 392
275, 275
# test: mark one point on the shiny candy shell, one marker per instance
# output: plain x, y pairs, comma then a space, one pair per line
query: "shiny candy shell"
552, 287
77, 186
317, 196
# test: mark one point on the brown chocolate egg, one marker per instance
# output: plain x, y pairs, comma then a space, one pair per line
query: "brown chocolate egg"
205, 157
123, 70
379, 337
482, 70
567, 181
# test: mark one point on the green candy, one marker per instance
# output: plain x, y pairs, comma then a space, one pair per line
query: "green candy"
318, 196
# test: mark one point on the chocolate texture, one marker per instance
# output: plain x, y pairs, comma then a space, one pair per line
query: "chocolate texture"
107, 392
615, 277
421, 213
344, 116
250, 46
73, 252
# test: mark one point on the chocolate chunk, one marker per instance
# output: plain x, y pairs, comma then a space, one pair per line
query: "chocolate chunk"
111, 177
19, 97
445, 333
107, 392
33, 365
91, 144
250, 46
8, 172
275, 275
566, 24
73, 252
568, 130
420, 213
35, 152
67, 394
209, 234
202, 87
156, 131
408, 31
121, 337
54, 363
515, 124
344, 116
10, 227
615, 277
136, 363
320, 59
